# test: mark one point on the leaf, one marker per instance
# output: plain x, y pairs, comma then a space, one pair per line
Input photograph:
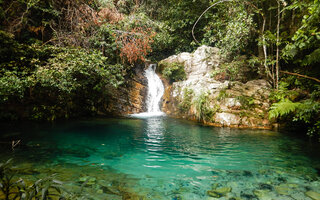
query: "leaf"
283, 108
58, 182
44, 193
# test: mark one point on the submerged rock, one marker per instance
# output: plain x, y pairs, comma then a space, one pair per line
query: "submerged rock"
283, 190
262, 194
247, 196
219, 192
313, 195
265, 186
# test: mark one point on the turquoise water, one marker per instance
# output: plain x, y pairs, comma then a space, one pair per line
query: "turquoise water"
165, 158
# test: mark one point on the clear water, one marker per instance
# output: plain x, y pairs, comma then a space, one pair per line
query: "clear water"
165, 158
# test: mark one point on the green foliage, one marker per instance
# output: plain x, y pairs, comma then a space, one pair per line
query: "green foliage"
186, 103
239, 69
229, 29
246, 102
306, 111
284, 91
54, 82
13, 188
204, 111
179, 20
74, 69
283, 108
11, 85
297, 105
305, 46
174, 72
223, 94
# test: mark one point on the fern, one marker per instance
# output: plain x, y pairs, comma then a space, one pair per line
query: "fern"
312, 58
283, 108
307, 111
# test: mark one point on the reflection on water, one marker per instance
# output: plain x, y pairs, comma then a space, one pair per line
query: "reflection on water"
169, 157
154, 141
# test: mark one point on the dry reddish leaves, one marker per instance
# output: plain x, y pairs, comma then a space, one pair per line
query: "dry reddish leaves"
135, 45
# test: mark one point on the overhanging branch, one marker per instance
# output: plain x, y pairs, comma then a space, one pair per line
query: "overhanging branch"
301, 75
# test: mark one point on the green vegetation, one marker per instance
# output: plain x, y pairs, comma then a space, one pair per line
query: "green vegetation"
62, 59
204, 111
223, 94
174, 72
297, 105
54, 82
13, 188
246, 102
186, 103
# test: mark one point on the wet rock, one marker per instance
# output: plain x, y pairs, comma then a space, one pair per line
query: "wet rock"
129, 97
234, 198
247, 173
215, 185
227, 119
299, 196
281, 179
247, 196
177, 198
313, 195
219, 192
223, 190
282, 190
265, 186
262, 194
87, 180
213, 194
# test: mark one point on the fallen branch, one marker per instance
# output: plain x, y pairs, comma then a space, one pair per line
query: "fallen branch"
300, 75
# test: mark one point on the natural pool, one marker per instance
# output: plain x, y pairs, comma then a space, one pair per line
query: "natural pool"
165, 158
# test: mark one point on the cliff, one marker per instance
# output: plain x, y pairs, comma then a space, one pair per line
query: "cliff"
128, 98
204, 97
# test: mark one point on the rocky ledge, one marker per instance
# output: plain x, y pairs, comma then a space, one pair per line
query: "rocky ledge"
130, 97
200, 96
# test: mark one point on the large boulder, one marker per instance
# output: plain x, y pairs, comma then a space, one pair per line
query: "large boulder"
221, 103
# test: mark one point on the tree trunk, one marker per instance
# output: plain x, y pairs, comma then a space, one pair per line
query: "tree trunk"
278, 43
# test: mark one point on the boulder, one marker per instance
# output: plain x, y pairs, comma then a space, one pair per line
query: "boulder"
226, 103
227, 119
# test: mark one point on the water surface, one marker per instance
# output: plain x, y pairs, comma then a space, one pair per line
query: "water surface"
165, 158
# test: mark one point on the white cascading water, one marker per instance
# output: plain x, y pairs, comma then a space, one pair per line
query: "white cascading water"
155, 89
155, 93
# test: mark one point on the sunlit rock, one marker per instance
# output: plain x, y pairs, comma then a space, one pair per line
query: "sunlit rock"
227, 119
213, 101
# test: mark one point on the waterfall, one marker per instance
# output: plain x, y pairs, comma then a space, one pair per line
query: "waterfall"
155, 89
155, 93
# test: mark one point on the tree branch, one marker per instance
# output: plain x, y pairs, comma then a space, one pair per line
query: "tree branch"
300, 75
202, 15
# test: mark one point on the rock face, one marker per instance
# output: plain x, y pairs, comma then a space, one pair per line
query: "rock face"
219, 103
130, 97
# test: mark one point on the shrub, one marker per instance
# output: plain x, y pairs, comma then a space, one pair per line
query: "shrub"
186, 103
53, 82
204, 110
174, 72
